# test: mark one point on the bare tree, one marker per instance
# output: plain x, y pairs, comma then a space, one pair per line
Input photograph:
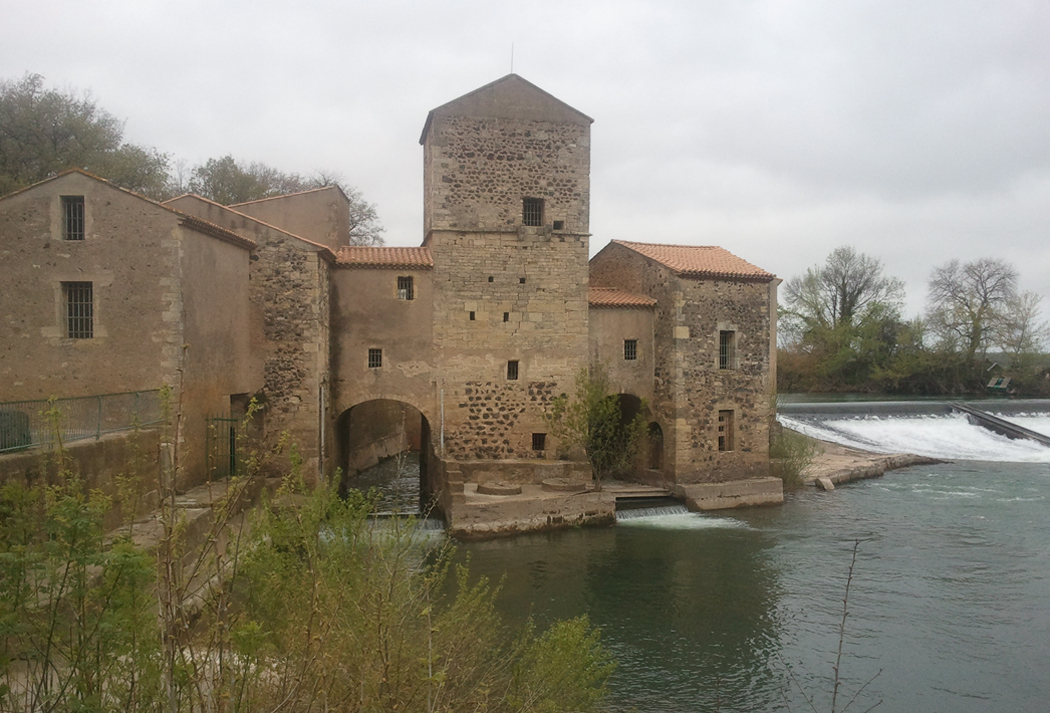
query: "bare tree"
1021, 332
968, 304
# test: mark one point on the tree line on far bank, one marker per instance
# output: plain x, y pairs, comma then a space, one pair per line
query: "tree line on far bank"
841, 329
45, 131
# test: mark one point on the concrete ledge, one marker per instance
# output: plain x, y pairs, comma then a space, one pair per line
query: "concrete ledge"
522, 470
480, 516
732, 494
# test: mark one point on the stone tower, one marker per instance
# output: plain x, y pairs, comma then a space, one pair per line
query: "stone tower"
506, 205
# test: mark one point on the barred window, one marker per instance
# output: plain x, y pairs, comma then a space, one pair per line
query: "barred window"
725, 430
72, 217
404, 288
726, 350
539, 441
630, 349
80, 309
375, 358
532, 211
512, 370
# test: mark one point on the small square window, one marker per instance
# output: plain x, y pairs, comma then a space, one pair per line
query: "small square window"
559, 225
491, 278
375, 358
506, 316
726, 350
539, 441
80, 309
521, 280
404, 288
630, 349
532, 212
512, 370
471, 316
725, 430
72, 217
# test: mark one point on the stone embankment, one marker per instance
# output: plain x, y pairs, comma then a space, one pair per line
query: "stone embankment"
840, 464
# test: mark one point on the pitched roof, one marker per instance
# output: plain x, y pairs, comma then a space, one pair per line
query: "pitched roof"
613, 297
190, 221
699, 261
509, 97
360, 256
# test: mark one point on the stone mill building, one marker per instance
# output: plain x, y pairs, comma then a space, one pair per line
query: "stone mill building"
455, 348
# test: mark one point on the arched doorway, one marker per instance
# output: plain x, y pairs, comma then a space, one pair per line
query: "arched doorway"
385, 444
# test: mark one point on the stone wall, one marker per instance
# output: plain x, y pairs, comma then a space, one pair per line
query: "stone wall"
689, 387
129, 254
529, 304
477, 171
609, 327
289, 314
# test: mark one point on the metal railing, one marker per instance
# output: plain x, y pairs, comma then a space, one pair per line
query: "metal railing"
25, 424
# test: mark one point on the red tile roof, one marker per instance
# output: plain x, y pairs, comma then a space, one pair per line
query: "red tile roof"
358, 256
699, 261
612, 297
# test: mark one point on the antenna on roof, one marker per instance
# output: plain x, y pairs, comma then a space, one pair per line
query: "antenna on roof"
512, 58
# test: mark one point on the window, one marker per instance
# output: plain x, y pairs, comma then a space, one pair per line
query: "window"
375, 358
726, 350
539, 441
725, 430
404, 288
471, 316
532, 212
72, 217
521, 280
491, 278
80, 310
630, 349
506, 316
512, 370
559, 225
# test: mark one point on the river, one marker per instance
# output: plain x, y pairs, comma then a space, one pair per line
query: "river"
949, 605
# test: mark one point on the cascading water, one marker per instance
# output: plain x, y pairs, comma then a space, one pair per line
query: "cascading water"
924, 429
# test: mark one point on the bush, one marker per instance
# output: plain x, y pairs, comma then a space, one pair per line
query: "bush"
791, 455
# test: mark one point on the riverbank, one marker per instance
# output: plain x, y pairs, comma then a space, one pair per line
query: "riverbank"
839, 464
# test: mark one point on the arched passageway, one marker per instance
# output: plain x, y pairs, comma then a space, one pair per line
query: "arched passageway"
385, 444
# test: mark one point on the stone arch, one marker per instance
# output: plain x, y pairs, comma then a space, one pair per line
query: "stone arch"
375, 429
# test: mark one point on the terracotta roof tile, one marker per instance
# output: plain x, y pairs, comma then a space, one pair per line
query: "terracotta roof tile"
699, 261
358, 256
612, 297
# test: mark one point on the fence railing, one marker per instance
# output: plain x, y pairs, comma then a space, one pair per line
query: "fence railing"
24, 424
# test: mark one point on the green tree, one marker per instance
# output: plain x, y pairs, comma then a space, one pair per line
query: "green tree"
228, 182
593, 419
44, 132
850, 286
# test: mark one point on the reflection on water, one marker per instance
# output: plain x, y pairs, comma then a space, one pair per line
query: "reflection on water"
949, 596
395, 479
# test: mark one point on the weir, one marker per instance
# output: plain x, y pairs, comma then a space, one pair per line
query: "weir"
1006, 431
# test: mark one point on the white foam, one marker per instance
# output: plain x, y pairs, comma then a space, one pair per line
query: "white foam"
1040, 423
679, 521
950, 437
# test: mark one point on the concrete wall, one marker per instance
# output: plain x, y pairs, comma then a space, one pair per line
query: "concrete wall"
130, 254
322, 215
134, 455
609, 327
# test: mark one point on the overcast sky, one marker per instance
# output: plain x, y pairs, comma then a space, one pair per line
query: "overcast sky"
916, 131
